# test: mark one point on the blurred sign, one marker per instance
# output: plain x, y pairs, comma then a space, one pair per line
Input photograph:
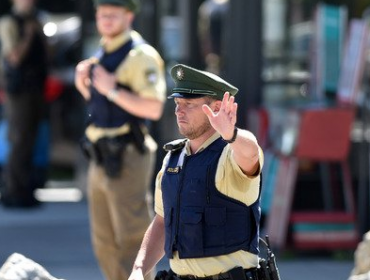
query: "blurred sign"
353, 61
172, 38
278, 218
330, 27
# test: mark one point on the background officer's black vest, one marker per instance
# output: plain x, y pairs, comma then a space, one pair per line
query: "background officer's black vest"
102, 112
29, 76
199, 220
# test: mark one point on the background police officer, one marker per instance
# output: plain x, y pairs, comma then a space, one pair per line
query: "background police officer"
207, 198
24, 59
124, 86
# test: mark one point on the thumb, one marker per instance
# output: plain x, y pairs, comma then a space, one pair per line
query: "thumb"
208, 111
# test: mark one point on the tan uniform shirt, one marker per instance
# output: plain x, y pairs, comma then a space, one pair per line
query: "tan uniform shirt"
231, 181
8, 34
8, 38
142, 70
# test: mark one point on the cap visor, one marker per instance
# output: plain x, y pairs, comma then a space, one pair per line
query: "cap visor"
185, 95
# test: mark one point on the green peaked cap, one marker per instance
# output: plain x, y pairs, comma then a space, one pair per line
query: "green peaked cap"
132, 5
194, 83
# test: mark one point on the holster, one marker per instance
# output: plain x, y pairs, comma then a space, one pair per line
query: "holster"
112, 153
165, 275
90, 150
108, 152
137, 137
263, 272
237, 273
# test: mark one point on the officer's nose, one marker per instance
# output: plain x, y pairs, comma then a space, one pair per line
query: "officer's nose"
178, 109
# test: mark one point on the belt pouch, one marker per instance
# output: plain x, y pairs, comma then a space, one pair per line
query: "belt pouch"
237, 273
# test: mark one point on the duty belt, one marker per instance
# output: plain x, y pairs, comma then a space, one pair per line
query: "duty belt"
237, 273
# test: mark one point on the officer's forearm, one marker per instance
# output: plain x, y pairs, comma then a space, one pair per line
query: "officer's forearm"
152, 247
246, 152
147, 108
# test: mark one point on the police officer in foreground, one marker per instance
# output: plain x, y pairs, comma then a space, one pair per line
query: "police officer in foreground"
207, 199
124, 87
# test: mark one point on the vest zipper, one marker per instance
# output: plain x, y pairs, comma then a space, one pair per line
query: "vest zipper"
174, 243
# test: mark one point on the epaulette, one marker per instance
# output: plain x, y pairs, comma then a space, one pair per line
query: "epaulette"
174, 145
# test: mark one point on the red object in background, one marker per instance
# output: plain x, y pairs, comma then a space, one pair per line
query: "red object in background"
324, 138
325, 134
53, 89
2, 96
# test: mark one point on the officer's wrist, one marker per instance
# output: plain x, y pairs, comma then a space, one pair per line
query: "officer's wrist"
137, 267
112, 94
233, 138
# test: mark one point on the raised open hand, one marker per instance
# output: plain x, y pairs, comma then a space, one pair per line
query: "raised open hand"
224, 120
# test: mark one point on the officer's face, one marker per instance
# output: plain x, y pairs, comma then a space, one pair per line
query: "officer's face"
24, 6
113, 20
191, 120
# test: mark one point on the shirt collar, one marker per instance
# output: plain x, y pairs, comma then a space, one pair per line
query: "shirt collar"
206, 143
116, 42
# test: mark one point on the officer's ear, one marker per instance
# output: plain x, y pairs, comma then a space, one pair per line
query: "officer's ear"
216, 105
130, 15
213, 103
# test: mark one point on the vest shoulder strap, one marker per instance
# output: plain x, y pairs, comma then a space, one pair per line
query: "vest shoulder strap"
175, 145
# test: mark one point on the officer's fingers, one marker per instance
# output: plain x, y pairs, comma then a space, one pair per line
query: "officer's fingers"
97, 70
80, 67
233, 112
230, 104
102, 74
225, 101
234, 108
87, 82
99, 74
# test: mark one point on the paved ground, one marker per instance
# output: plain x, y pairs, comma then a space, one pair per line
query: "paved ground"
57, 237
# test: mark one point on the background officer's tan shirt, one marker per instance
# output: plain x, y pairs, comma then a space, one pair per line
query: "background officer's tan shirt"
8, 34
142, 70
231, 181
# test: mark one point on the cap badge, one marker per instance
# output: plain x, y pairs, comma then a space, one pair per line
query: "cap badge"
180, 73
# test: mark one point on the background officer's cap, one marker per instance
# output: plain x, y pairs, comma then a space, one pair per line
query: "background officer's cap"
133, 5
193, 83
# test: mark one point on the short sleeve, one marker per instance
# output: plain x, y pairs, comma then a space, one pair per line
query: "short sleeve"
231, 181
143, 71
158, 202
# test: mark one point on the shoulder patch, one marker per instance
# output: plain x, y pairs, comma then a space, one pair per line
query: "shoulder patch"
151, 76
